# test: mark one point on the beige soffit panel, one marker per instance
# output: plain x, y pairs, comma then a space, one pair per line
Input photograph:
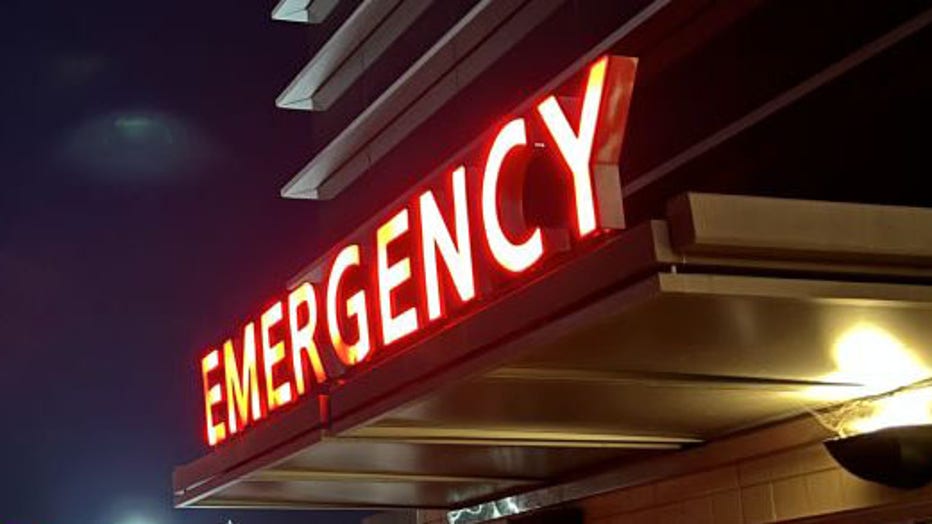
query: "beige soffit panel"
365, 35
304, 11
490, 29
796, 433
728, 225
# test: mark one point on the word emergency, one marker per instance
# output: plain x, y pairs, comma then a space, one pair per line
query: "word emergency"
429, 259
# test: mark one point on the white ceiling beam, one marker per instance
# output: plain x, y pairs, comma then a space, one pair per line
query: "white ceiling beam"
356, 45
304, 11
479, 39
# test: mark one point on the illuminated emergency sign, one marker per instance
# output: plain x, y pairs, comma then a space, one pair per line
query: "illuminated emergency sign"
547, 183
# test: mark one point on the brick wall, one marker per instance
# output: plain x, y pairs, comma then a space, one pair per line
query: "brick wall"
777, 473
791, 484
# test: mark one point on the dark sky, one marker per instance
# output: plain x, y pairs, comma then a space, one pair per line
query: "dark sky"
142, 156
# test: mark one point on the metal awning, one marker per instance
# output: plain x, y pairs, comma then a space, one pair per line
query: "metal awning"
721, 317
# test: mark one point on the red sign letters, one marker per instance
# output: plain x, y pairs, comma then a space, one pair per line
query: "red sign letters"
549, 182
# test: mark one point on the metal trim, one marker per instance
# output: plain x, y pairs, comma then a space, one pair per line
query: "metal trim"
797, 432
306, 475
367, 33
304, 11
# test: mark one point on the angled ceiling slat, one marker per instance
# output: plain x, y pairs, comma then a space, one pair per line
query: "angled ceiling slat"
356, 45
441, 60
304, 11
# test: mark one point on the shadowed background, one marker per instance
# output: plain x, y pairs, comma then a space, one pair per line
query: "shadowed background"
142, 155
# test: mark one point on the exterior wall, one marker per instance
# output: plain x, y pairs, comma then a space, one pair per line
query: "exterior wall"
788, 485
799, 483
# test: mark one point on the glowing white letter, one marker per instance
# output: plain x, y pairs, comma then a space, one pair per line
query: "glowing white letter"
435, 236
302, 337
349, 354
392, 276
576, 149
242, 384
513, 257
272, 355
213, 395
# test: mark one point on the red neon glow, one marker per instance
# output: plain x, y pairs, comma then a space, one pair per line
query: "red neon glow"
302, 336
272, 356
390, 277
434, 225
576, 149
456, 255
513, 257
213, 395
242, 382
349, 354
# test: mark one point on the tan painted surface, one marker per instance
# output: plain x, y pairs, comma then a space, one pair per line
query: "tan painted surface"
791, 484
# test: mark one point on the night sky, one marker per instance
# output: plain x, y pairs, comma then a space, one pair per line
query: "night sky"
142, 155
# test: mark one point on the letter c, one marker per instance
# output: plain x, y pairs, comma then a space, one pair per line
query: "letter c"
513, 257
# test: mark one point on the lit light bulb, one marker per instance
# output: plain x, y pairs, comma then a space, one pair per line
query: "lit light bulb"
882, 367
904, 408
869, 355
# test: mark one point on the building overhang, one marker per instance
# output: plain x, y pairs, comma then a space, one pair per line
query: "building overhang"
725, 315
468, 49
